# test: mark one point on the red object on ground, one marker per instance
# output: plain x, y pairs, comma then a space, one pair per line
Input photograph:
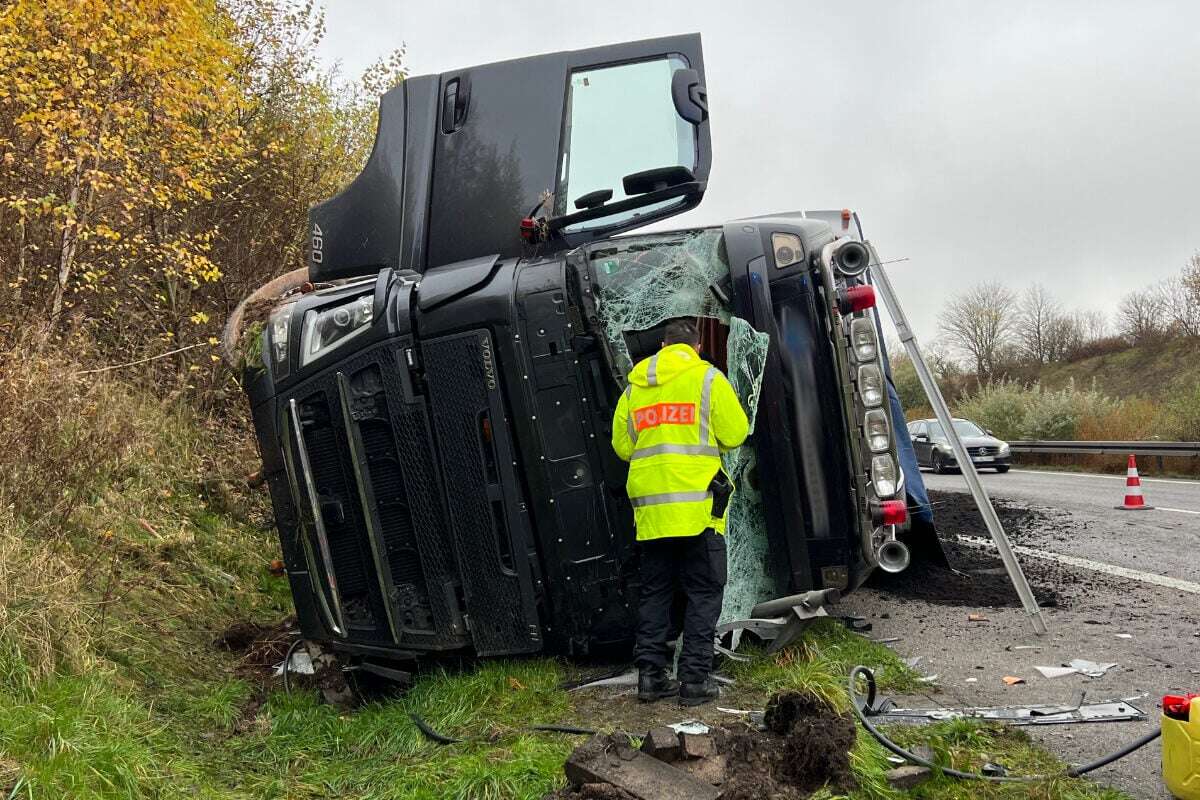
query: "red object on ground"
1133, 489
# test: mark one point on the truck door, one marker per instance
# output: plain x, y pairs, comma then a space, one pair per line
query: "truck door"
462, 157
569, 124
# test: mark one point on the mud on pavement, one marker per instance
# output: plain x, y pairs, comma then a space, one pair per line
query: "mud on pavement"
976, 576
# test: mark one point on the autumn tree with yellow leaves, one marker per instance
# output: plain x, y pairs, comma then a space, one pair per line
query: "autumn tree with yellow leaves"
157, 158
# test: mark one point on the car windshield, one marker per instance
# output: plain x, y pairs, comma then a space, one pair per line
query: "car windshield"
961, 426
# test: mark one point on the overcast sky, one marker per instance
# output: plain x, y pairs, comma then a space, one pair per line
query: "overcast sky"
1053, 142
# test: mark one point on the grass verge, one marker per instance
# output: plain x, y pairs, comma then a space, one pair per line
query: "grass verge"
110, 686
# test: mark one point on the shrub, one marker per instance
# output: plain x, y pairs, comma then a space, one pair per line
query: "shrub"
45, 623
1181, 413
999, 407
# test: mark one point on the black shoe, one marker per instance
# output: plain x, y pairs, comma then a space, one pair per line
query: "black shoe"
694, 694
655, 684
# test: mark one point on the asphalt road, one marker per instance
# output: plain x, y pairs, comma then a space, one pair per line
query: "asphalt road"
1164, 541
1151, 630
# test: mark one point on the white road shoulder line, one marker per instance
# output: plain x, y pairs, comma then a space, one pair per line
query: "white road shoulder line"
1094, 566
1177, 510
1106, 477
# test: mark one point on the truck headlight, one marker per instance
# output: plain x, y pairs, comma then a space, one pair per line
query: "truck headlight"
875, 423
862, 339
277, 341
883, 475
870, 385
788, 249
331, 327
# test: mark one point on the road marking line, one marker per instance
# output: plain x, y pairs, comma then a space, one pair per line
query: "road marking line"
1177, 510
1106, 477
1095, 566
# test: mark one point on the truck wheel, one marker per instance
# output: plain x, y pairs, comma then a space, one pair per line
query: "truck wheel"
1002, 469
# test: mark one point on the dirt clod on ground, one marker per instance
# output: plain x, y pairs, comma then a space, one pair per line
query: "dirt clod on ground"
261, 647
806, 746
591, 791
976, 576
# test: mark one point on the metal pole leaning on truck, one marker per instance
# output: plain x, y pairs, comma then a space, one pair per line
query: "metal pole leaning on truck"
942, 412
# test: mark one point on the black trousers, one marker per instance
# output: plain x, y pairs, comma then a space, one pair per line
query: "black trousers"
695, 565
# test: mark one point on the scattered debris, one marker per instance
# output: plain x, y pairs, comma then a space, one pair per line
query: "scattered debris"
1015, 647
689, 726
1092, 669
803, 746
301, 664
276, 568
994, 770
977, 618
1123, 635
612, 760
1055, 672
1079, 712
914, 661
662, 743
697, 745
1012, 680
907, 777
627, 678
972, 680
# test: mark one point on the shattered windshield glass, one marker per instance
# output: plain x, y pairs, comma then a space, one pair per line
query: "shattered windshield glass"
648, 280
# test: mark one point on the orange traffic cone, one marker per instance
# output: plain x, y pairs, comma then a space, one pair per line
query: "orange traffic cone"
1133, 489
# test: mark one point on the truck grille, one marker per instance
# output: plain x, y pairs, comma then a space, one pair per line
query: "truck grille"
413, 601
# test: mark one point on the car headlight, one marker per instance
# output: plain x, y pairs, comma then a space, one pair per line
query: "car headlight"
277, 341
331, 327
875, 423
862, 339
870, 385
1004, 448
883, 475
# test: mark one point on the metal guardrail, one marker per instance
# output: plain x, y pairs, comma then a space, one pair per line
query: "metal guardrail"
1185, 449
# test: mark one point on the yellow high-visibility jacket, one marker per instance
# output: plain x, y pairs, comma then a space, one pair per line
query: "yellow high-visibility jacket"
672, 422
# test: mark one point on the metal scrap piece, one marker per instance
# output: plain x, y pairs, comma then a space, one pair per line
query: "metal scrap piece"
1110, 711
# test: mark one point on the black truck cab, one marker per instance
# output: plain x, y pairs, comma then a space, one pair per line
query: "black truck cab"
434, 416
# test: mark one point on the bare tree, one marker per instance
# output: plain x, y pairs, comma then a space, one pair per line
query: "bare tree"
1037, 325
1190, 278
979, 324
1182, 310
1142, 316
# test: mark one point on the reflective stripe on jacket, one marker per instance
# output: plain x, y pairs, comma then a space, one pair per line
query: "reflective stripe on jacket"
672, 422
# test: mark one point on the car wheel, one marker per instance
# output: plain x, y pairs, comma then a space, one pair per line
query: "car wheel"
937, 464
1002, 469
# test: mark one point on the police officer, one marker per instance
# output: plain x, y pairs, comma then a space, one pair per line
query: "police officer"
672, 422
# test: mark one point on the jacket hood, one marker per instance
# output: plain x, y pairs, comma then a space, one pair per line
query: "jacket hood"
668, 364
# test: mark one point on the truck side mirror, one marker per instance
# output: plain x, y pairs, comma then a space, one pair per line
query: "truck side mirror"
689, 95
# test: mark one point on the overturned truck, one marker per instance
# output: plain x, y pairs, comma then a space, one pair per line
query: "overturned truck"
434, 405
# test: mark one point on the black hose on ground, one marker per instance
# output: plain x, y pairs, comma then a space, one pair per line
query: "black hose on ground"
1074, 772
563, 729
287, 665
430, 733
